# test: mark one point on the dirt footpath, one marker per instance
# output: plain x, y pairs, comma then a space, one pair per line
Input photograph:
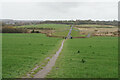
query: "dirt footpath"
42, 73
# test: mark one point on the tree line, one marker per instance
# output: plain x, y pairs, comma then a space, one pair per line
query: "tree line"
68, 22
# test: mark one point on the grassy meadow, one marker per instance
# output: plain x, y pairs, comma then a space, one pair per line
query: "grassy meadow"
59, 29
76, 33
21, 52
95, 57
61, 33
55, 26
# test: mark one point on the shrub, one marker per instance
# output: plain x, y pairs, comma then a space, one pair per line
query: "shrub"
37, 31
13, 30
34, 31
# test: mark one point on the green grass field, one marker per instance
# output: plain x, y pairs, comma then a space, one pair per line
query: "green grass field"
99, 53
61, 33
76, 33
95, 57
55, 26
21, 52
60, 29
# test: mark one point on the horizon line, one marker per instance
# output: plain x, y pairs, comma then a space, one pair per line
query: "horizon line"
59, 19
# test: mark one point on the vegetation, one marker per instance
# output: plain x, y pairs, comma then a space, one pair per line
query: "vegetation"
8, 22
21, 52
93, 26
13, 30
59, 29
61, 33
87, 58
76, 33
43, 26
94, 57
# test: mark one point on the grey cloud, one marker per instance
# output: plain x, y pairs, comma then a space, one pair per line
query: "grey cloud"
61, 7
61, 10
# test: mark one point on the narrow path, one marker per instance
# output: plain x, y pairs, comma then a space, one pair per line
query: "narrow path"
69, 34
42, 73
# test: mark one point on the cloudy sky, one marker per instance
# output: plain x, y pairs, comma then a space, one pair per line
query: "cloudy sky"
59, 10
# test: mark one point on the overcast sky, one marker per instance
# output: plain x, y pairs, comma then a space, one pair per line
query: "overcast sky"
59, 10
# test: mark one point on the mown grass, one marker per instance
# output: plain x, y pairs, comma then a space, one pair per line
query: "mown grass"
95, 57
21, 52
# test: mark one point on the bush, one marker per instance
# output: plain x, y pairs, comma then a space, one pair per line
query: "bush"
37, 32
14, 30
34, 31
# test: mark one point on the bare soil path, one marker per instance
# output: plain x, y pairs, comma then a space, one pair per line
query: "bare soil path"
42, 73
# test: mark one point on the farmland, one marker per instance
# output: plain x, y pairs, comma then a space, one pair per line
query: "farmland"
54, 26
21, 52
87, 58
81, 57
60, 30
25, 51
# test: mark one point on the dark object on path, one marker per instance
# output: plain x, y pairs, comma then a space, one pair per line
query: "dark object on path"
37, 32
65, 37
78, 51
33, 31
70, 37
83, 61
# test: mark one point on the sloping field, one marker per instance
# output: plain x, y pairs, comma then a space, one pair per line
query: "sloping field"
95, 57
21, 52
60, 30
55, 26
